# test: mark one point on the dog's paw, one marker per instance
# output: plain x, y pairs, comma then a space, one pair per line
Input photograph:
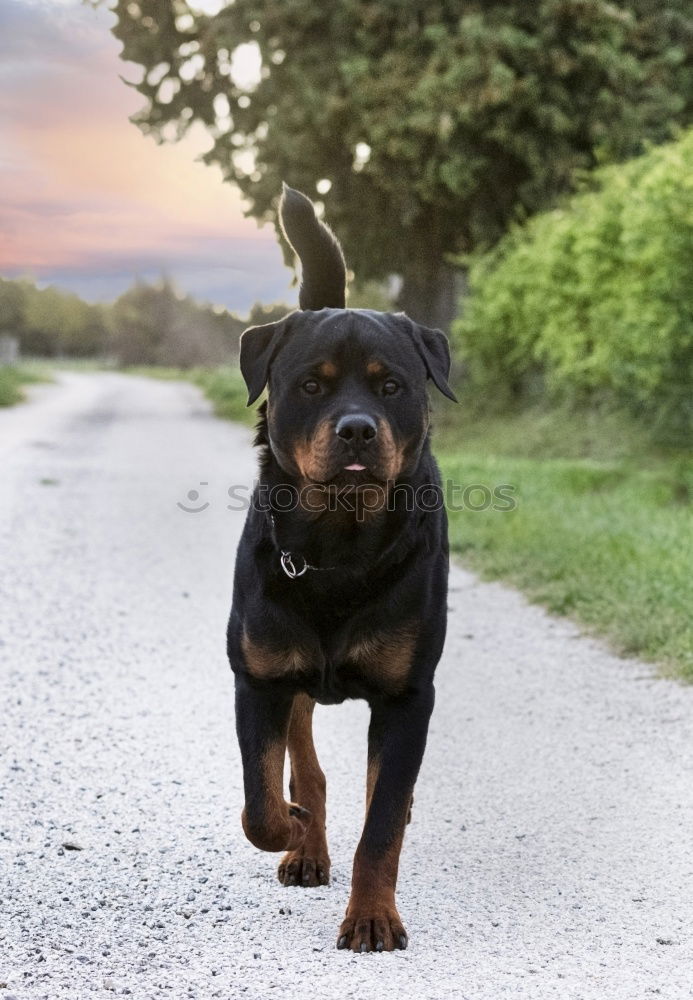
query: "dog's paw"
372, 928
309, 865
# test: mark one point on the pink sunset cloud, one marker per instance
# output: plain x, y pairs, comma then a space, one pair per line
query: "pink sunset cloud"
87, 201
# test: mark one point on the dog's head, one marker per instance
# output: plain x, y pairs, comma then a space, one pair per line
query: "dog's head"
347, 387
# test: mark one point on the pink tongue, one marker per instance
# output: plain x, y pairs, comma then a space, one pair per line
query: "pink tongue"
355, 467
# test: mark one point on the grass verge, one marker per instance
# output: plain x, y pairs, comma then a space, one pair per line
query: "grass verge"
227, 391
13, 378
602, 528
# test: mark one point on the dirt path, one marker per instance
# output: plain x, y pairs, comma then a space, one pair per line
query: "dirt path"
550, 852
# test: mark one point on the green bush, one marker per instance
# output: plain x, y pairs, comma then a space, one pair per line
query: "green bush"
12, 381
594, 301
10, 387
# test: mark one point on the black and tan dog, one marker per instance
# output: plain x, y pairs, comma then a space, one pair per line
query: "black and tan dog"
341, 577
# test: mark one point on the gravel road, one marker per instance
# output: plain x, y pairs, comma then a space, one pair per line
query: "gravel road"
551, 849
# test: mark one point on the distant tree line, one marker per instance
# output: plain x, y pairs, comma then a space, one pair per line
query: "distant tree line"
50, 322
150, 324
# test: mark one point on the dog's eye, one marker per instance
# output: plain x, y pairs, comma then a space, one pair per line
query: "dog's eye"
311, 386
390, 387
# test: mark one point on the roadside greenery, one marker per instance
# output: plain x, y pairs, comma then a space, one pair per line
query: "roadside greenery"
577, 345
13, 378
592, 303
227, 392
608, 545
602, 529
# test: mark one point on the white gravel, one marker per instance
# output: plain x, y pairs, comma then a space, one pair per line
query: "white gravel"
550, 852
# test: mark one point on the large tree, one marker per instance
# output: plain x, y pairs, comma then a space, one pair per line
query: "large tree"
435, 122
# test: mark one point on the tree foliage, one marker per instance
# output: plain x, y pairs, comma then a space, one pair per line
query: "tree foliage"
594, 300
435, 122
156, 325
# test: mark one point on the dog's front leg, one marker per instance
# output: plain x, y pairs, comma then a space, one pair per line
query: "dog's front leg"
262, 720
396, 744
310, 864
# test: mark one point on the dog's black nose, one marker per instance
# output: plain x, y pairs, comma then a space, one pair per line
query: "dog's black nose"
356, 428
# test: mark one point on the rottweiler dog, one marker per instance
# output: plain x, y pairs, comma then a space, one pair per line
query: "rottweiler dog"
340, 587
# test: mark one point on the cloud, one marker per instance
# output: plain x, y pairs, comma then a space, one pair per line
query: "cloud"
88, 201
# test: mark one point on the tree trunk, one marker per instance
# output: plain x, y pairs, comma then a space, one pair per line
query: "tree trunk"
431, 295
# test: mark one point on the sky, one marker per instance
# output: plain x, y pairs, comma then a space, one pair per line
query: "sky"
86, 201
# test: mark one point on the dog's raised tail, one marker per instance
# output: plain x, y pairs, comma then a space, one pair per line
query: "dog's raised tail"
323, 271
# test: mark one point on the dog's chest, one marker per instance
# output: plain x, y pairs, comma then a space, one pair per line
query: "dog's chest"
347, 664
378, 660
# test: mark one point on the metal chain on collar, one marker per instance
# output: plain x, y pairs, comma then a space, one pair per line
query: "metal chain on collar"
287, 558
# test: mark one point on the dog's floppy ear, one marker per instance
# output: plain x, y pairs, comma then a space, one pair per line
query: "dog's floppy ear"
434, 349
259, 344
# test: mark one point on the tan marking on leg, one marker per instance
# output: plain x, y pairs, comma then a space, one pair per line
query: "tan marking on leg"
307, 778
378, 881
372, 921
269, 823
310, 865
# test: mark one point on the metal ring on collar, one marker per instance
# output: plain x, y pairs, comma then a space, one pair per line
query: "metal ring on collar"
287, 562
